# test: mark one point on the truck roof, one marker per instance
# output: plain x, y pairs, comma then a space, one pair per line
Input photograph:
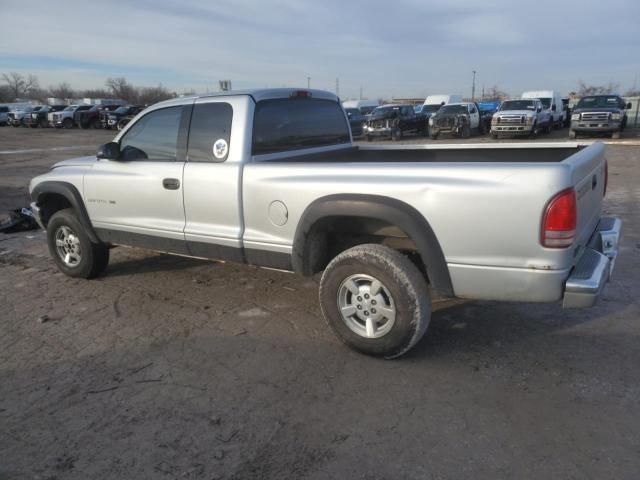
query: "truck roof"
257, 94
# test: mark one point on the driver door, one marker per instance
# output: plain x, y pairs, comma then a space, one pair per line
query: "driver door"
138, 199
474, 116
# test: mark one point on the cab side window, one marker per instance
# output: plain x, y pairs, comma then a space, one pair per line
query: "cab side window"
210, 132
472, 109
154, 137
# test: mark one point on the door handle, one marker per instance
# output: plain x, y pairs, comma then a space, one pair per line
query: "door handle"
171, 183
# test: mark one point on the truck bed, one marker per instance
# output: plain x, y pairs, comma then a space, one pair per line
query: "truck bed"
456, 153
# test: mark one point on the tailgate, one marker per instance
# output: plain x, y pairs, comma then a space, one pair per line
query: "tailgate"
588, 177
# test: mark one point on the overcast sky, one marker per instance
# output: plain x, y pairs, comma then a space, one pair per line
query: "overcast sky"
389, 48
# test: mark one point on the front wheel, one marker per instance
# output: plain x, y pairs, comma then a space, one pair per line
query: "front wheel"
434, 135
67, 123
572, 134
375, 300
396, 135
71, 249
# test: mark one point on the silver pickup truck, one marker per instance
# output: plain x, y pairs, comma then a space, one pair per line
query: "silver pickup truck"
272, 178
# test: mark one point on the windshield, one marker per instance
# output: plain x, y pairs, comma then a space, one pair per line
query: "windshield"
518, 105
599, 102
122, 110
430, 108
352, 111
546, 103
70, 108
453, 109
385, 111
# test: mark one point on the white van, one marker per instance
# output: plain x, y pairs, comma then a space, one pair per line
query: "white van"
551, 101
365, 106
433, 103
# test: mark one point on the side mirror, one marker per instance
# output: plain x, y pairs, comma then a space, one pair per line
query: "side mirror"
539, 109
109, 151
628, 106
349, 114
553, 108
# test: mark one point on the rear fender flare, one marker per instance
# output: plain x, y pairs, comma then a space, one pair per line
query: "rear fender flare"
390, 210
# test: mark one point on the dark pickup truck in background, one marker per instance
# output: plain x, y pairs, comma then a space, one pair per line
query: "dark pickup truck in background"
394, 121
38, 118
91, 118
110, 119
599, 114
356, 121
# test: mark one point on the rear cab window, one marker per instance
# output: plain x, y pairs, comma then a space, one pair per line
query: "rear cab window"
281, 125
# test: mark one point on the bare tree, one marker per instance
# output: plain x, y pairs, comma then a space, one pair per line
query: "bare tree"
120, 88
62, 90
5, 94
151, 95
584, 89
95, 93
494, 93
632, 92
20, 86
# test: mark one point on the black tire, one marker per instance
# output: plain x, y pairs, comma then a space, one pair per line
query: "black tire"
369, 138
44, 124
534, 131
466, 131
399, 277
494, 136
481, 128
434, 135
96, 124
548, 127
572, 134
94, 257
396, 135
67, 123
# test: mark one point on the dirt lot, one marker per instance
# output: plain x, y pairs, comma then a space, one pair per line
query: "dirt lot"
181, 369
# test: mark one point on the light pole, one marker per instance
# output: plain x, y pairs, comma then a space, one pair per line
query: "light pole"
308, 82
473, 87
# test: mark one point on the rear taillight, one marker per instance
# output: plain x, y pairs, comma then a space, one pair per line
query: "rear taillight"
559, 220
606, 177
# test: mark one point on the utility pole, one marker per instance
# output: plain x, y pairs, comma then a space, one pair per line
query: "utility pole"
337, 87
308, 82
360, 92
473, 87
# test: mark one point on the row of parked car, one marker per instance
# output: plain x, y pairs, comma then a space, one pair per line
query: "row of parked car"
534, 113
70, 116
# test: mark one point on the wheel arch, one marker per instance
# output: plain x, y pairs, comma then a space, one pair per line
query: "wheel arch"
389, 210
52, 196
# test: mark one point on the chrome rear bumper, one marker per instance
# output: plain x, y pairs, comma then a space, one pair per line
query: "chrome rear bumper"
594, 269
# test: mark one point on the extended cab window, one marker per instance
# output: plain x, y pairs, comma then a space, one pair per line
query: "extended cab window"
210, 132
281, 125
154, 137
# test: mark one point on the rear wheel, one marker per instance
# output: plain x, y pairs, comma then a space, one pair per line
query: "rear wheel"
466, 131
396, 135
43, 124
71, 249
369, 138
434, 135
96, 124
67, 123
494, 136
375, 300
572, 134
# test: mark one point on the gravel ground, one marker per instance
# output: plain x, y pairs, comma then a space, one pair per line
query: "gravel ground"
172, 368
